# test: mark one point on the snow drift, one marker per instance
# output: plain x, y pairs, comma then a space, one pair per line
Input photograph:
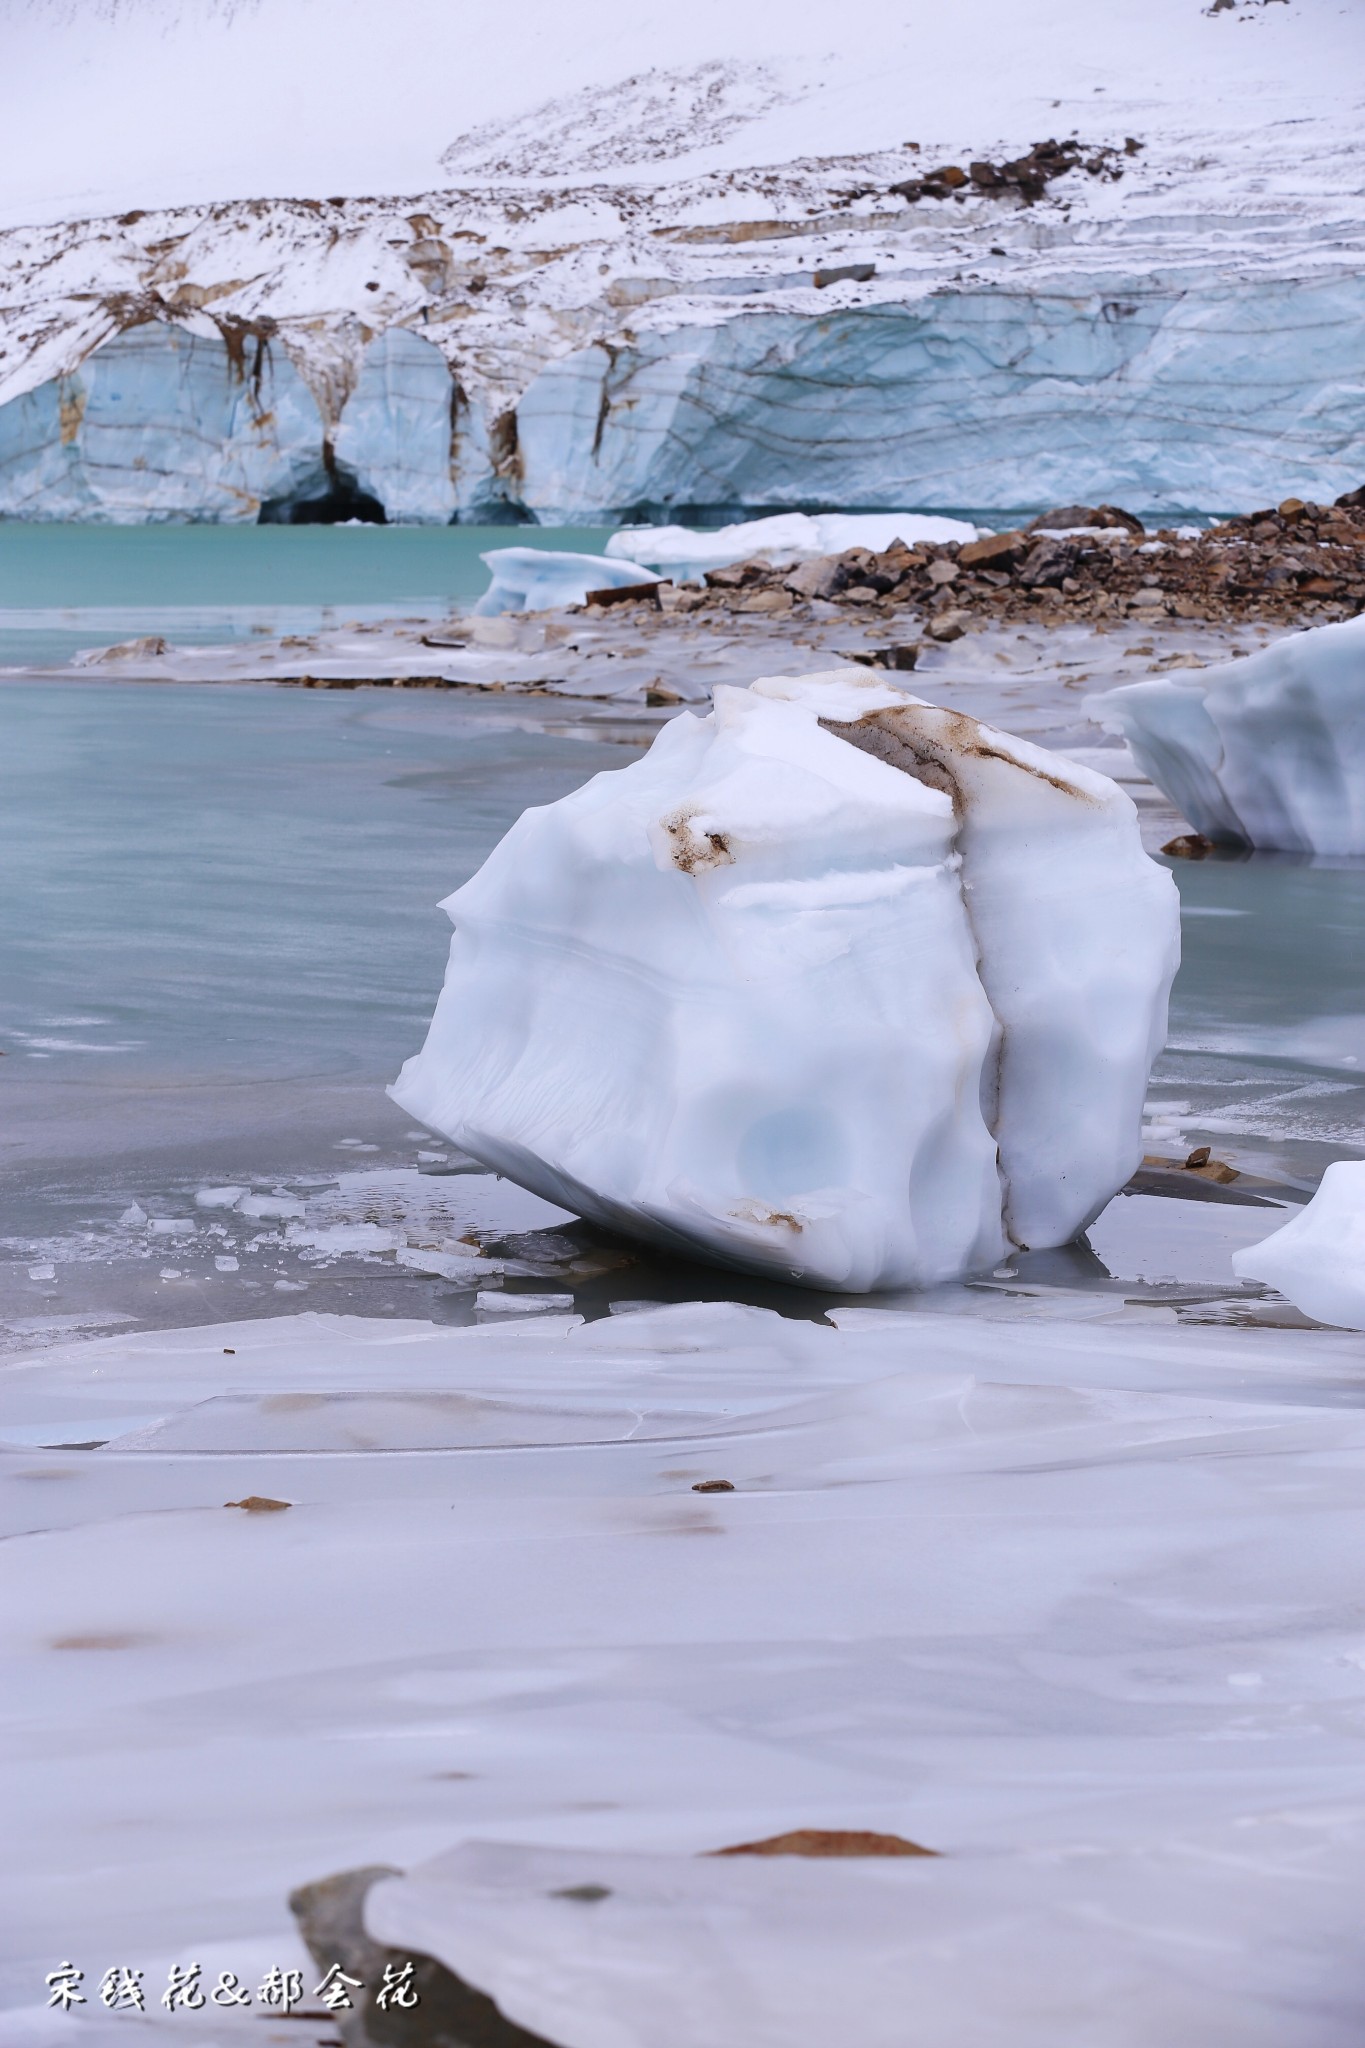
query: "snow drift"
1318, 1259
1268, 751
833, 984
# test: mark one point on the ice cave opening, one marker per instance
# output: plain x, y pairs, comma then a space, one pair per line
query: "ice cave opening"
332, 496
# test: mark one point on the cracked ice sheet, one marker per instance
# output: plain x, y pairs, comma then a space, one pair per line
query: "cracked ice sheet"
1076, 1606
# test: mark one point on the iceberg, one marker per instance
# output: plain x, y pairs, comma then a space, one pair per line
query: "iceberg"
542, 579
679, 552
1317, 1260
1268, 751
833, 985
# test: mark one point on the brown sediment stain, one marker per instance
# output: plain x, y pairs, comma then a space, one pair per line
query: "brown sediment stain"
893, 735
828, 1842
259, 1504
695, 851
243, 339
106, 1639
71, 398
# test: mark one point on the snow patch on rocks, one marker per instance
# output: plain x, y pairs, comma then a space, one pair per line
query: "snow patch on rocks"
833, 984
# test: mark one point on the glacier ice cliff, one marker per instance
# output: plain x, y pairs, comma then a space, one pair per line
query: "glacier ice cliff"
397, 431
1267, 751
1318, 1259
161, 423
833, 985
1201, 396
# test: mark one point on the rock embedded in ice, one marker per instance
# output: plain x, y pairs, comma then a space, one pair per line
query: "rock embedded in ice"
833, 984
539, 579
1268, 751
1318, 1259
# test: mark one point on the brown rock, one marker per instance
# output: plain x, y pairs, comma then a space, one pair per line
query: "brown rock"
947, 626
992, 548
828, 1842
626, 593
824, 577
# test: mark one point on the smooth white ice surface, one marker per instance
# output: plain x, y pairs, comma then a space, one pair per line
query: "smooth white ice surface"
774, 994
681, 552
1269, 751
1076, 1606
1318, 1258
541, 579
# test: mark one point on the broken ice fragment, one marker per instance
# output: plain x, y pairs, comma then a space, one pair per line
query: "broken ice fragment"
1317, 1260
833, 984
1268, 751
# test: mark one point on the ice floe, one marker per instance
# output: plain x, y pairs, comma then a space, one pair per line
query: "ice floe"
1318, 1258
832, 984
1268, 751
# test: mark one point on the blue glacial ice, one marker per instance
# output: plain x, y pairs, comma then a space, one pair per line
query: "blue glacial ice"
1171, 394
159, 424
1268, 751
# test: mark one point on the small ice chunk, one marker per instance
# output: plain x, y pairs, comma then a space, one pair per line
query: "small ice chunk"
47, 1271
522, 1304
226, 1263
219, 1198
133, 1217
291, 1287
541, 579
1317, 1260
467, 1267
171, 1273
270, 1207
432, 1158
172, 1226
344, 1237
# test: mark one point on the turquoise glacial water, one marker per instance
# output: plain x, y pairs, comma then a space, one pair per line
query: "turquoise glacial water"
63, 588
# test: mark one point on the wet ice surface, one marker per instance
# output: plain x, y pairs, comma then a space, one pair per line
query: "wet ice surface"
1053, 1572
1072, 1604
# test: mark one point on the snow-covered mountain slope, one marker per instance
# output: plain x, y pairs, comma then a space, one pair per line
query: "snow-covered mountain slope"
602, 274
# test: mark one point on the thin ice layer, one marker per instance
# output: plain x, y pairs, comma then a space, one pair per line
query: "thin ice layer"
736, 998
1268, 751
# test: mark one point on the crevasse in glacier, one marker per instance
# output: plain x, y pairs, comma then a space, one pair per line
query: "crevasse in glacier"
160, 423
833, 984
1267, 751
